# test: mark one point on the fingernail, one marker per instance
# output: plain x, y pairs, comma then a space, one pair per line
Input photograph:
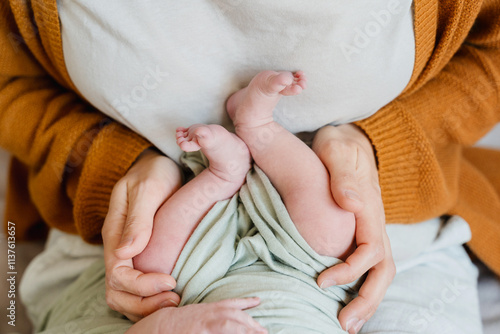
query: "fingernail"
327, 283
169, 303
350, 323
124, 243
164, 286
255, 299
359, 325
352, 195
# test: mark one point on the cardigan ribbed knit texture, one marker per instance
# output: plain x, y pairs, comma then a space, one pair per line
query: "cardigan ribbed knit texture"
68, 156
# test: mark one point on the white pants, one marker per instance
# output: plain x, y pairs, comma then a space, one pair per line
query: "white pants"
435, 287
434, 291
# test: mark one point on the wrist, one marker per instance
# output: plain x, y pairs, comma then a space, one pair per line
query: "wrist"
329, 138
148, 153
363, 141
108, 159
152, 153
177, 179
323, 141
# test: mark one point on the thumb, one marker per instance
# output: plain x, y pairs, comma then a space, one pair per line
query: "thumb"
134, 240
347, 197
344, 183
138, 226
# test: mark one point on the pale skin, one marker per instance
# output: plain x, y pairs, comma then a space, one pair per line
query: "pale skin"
225, 316
294, 169
298, 174
176, 220
146, 297
348, 155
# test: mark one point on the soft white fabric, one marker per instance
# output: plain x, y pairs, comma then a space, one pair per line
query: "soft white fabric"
492, 139
435, 287
62, 261
156, 65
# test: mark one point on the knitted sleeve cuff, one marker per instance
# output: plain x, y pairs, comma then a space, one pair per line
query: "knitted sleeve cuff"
114, 149
408, 170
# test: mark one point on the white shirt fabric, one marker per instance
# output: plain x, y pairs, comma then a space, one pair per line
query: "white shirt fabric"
156, 65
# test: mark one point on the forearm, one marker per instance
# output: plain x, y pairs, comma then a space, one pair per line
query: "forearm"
57, 136
419, 138
108, 159
73, 154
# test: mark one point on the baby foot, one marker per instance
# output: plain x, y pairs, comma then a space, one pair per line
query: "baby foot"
253, 105
228, 156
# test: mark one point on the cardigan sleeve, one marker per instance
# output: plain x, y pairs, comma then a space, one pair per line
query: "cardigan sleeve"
60, 139
419, 137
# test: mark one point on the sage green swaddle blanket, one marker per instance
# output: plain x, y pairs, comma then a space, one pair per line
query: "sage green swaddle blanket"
245, 246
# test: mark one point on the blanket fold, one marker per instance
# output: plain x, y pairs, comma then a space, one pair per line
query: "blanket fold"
245, 246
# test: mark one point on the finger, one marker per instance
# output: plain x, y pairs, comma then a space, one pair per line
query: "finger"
345, 179
371, 248
358, 311
126, 279
364, 257
138, 227
115, 219
370, 224
136, 308
244, 321
247, 323
240, 303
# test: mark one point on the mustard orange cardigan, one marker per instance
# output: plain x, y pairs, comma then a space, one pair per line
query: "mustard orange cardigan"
67, 156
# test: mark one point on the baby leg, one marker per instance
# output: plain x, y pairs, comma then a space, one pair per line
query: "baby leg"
178, 217
297, 173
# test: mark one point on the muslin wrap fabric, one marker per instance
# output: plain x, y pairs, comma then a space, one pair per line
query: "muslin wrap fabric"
245, 246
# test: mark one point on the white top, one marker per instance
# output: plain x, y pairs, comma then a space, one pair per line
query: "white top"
155, 65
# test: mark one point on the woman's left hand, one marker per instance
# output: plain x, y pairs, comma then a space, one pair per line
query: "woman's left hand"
127, 230
349, 157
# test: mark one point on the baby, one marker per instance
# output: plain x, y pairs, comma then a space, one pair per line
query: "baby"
293, 168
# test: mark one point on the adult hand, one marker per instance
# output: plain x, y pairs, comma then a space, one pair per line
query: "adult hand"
224, 317
349, 157
127, 230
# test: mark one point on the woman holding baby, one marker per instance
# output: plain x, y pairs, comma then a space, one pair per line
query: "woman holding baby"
399, 91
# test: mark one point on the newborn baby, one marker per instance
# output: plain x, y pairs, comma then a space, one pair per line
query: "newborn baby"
293, 168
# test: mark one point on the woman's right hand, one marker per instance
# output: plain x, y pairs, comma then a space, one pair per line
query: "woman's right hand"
224, 317
350, 159
126, 232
